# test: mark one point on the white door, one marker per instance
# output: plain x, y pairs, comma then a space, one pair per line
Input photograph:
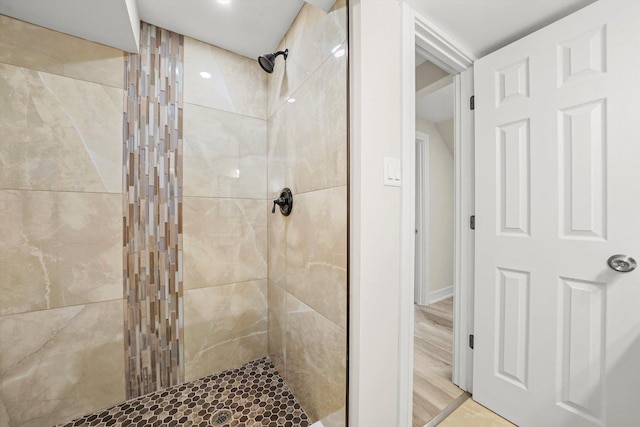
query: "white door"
557, 331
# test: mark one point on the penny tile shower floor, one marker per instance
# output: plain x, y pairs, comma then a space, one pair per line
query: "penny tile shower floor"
252, 395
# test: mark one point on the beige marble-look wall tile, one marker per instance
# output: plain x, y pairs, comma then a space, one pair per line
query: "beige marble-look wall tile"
59, 133
316, 360
313, 37
4, 414
277, 326
276, 223
62, 363
59, 249
225, 154
277, 247
278, 83
224, 327
317, 252
27, 45
276, 154
316, 130
225, 241
237, 84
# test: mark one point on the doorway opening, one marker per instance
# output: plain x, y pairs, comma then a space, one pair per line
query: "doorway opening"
433, 387
423, 39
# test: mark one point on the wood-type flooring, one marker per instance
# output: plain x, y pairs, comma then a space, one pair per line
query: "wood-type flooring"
432, 359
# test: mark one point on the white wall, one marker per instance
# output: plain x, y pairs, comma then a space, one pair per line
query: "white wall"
440, 194
374, 270
446, 132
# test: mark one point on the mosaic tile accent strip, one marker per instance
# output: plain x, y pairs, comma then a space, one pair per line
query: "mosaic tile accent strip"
252, 395
152, 199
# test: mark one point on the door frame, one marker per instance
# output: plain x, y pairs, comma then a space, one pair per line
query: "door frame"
421, 279
420, 34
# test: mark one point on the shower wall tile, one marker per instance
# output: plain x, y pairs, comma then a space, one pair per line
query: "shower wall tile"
277, 245
237, 84
59, 133
316, 365
225, 212
276, 223
277, 326
313, 37
152, 199
27, 45
224, 154
276, 154
316, 261
316, 129
307, 256
225, 241
61, 363
225, 326
4, 413
59, 249
279, 82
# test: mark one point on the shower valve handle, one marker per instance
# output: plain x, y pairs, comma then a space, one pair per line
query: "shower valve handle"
280, 202
285, 201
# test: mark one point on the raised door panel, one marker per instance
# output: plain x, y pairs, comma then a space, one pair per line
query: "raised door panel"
557, 332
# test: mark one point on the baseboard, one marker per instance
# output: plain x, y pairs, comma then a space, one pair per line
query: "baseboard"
440, 294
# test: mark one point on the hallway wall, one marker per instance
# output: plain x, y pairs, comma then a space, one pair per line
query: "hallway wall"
440, 194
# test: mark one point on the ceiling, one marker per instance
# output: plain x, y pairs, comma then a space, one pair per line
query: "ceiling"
253, 27
437, 106
247, 27
482, 26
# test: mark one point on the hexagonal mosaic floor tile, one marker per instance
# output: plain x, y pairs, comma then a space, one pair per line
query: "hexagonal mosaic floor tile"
252, 395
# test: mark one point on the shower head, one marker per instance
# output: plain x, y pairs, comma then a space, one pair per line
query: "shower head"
268, 60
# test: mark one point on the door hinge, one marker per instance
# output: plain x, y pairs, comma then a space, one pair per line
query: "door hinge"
471, 341
472, 102
472, 222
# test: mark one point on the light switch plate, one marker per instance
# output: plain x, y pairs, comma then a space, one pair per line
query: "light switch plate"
392, 172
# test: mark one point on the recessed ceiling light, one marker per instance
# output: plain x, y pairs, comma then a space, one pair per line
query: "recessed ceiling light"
205, 75
291, 100
224, 1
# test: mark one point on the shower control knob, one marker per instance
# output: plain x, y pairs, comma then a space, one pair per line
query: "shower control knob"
285, 201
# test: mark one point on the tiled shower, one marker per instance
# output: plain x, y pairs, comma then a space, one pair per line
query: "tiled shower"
247, 284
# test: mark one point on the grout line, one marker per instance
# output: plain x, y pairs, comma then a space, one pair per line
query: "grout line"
262, 199
448, 410
225, 284
314, 191
38, 70
269, 198
36, 190
208, 107
4, 316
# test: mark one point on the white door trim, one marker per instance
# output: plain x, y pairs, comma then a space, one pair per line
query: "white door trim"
421, 286
419, 33
464, 238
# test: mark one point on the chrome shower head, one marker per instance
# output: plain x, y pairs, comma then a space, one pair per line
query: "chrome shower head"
268, 60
